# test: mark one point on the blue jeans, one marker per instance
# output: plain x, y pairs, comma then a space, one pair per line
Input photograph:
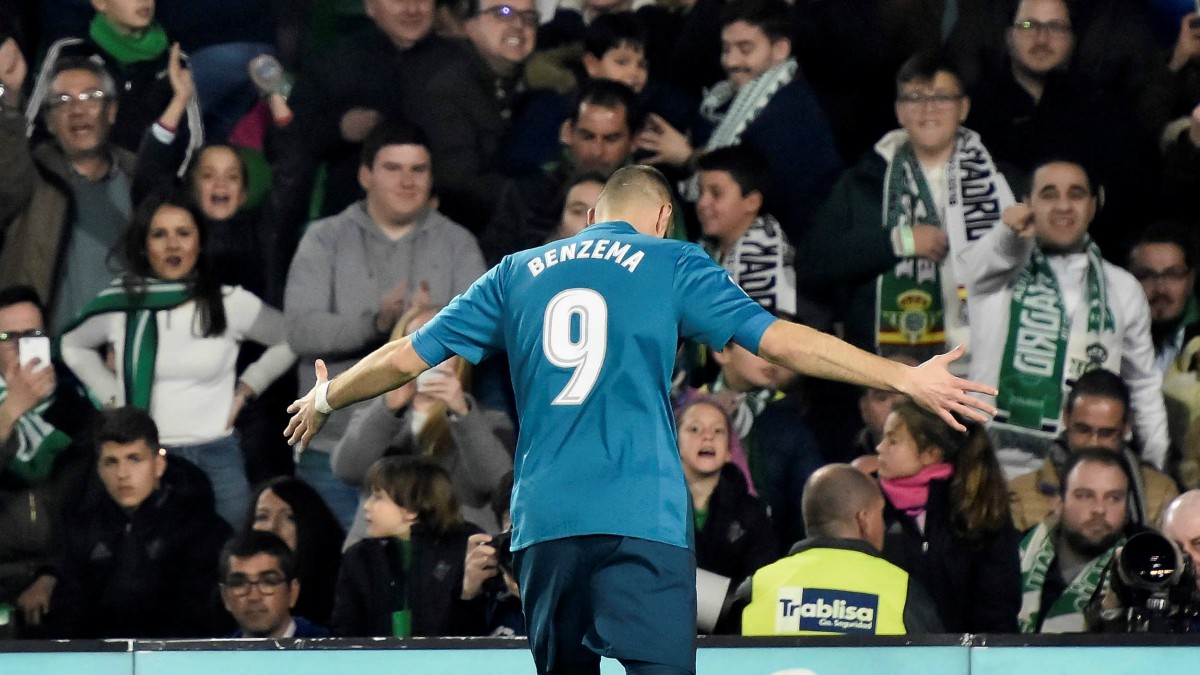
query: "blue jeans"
313, 466
221, 460
223, 86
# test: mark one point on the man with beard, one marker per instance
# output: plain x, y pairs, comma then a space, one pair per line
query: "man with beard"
1163, 261
1063, 558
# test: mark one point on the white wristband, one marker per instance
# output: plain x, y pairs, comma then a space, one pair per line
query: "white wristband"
321, 400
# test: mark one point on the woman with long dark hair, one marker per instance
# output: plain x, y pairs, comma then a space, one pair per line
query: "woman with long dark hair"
948, 520
174, 332
296, 513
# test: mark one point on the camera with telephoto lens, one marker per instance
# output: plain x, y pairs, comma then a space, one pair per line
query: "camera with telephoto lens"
1159, 584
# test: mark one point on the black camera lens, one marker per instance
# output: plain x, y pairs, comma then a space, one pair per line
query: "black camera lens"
1149, 561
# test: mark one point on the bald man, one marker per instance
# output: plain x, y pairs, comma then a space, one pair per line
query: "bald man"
1181, 523
600, 507
835, 582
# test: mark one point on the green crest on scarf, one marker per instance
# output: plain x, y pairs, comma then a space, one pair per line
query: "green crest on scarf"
909, 296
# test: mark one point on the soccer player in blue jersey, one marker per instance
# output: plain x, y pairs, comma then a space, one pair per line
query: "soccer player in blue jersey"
600, 506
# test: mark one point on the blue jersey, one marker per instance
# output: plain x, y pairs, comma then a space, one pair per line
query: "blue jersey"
591, 325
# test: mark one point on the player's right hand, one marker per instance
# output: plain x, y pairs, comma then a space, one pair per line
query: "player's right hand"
306, 420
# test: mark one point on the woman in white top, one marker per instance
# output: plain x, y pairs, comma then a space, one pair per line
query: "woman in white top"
174, 334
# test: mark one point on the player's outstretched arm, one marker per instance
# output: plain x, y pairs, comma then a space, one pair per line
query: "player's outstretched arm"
930, 384
384, 369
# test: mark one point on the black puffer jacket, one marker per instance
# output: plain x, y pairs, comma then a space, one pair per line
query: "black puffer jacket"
149, 574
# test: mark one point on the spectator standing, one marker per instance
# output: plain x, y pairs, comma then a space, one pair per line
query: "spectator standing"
355, 275
175, 331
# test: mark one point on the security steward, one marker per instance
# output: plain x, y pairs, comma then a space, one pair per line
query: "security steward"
835, 582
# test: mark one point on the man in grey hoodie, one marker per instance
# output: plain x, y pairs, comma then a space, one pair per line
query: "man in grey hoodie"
355, 273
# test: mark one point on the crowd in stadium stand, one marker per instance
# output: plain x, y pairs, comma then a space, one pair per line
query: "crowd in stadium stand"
201, 198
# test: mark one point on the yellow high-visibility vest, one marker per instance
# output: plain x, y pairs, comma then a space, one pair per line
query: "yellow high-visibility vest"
827, 591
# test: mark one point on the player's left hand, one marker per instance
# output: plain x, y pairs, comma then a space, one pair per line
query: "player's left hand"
306, 419
932, 386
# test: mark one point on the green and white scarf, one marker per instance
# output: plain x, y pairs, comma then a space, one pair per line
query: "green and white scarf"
909, 300
39, 443
744, 106
1066, 614
1046, 350
141, 330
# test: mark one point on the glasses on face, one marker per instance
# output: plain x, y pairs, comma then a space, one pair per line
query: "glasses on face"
1055, 28
86, 99
528, 17
940, 100
18, 334
267, 584
1174, 274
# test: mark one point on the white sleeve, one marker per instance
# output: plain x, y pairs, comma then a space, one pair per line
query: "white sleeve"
990, 263
266, 327
1141, 374
80, 353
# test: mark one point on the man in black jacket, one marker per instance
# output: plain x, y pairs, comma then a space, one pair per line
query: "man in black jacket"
139, 557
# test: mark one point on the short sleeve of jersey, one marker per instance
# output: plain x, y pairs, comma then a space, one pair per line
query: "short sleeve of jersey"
712, 308
471, 325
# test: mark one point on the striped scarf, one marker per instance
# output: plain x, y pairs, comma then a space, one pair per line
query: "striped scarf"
39, 443
141, 329
1065, 615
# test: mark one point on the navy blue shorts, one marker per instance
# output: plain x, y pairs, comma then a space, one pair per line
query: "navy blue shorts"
604, 595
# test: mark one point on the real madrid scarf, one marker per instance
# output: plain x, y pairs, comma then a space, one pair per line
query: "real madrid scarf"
38, 442
744, 106
761, 263
141, 330
1042, 339
909, 301
1065, 615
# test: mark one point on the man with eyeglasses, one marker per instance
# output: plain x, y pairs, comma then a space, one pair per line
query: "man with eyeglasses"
64, 201
138, 552
1164, 261
1047, 308
44, 418
1036, 105
1096, 415
468, 108
259, 588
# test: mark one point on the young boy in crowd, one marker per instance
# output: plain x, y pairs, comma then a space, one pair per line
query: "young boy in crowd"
749, 244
